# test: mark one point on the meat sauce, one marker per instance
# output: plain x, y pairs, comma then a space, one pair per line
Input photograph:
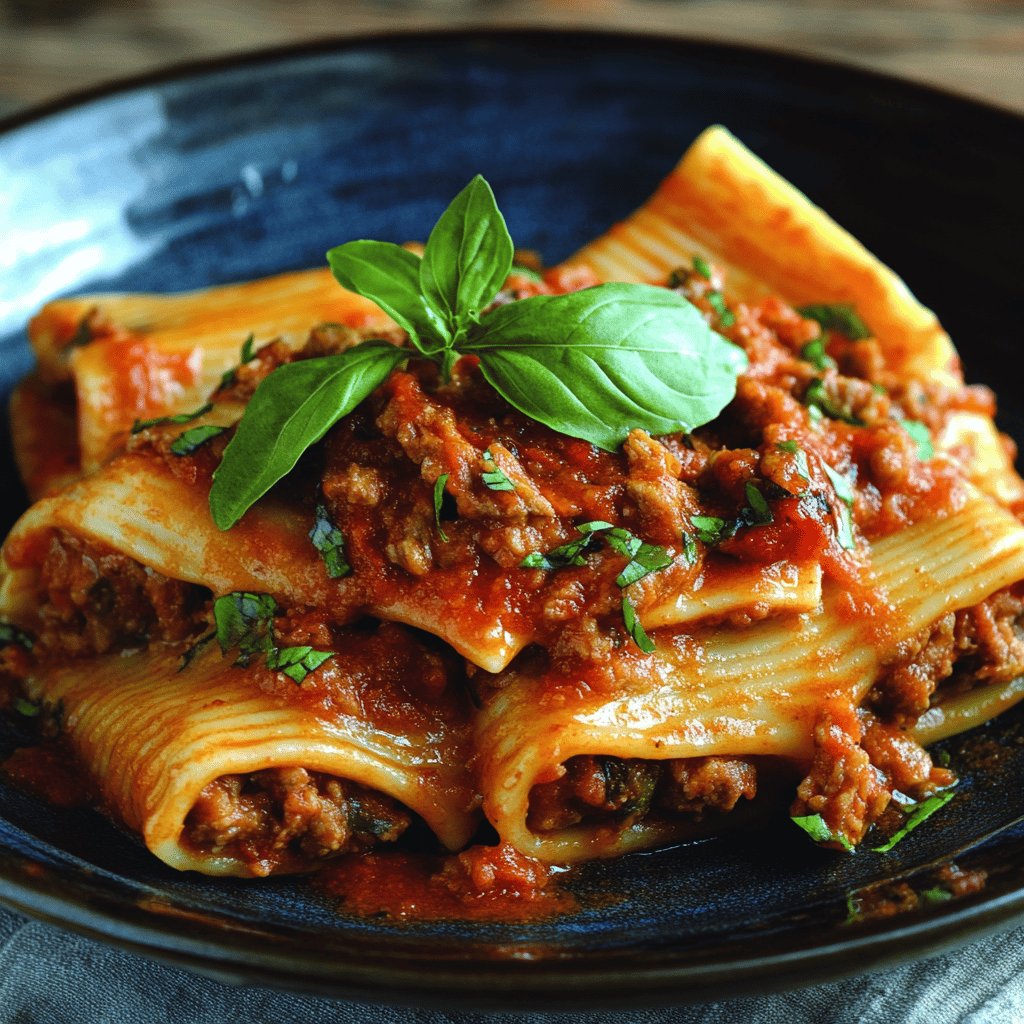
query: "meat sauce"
812, 435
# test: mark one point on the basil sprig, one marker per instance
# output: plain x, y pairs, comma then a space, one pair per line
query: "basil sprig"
593, 364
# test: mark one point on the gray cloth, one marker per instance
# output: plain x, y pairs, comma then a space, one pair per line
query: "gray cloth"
48, 976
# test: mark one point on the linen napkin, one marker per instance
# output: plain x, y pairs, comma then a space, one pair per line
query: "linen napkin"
50, 976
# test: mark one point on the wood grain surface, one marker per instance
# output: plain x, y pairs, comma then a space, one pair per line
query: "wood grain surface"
51, 47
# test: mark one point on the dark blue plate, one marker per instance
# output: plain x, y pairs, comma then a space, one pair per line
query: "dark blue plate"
259, 165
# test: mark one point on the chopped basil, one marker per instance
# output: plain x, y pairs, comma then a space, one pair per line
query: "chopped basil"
840, 317
933, 896
194, 439
26, 708
245, 620
330, 542
702, 267
816, 397
83, 333
12, 635
842, 484
922, 435
438, 502
494, 478
643, 558
189, 655
567, 554
921, 812
814, 825
248, 354
814, 353
689, 549
726, 317
758, 512
800, 458
635, 630
712, 529
296, 662
181, 417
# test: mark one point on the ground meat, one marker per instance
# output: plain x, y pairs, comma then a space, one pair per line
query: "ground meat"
290, 819
906, 764
663, 501
978, 645
596, 788
98, 600
903, 691
843, 786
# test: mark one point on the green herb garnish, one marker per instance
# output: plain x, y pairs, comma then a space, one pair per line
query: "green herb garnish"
840, 317
296, 662
920, 813
800, 458
702, 267
245, 620
633, 627
330, 542
816, 397
814, 825
572, 553
933, 896
12, 635
194, 439
247, 355
689, 549
592, 364
713, 529
814, 352
495, 478
643, 558
922, 435
181, 417
439, 484
26, 708
758, 512
726, 317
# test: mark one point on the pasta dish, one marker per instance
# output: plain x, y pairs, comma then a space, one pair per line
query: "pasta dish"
436, 548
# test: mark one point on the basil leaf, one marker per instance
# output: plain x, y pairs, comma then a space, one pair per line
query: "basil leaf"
12, 635
531, 275
292, 409
389, 275
296, 662
189, 656
814, 825
245, 620
814, 353
922, 435
726, 317
467, 257
800, 458
689, 549
247, 355
840, 317
330, 542
702, 267
758, 512
930, 897
194, 439
647, 558
600, 362
816, 397
26, 708
842, 484
921, 813
438, 501
495, 478
181, 417
567, 554
83, 333
712, 529
633, 627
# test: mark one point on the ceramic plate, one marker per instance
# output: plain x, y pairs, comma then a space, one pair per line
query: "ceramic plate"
245, 168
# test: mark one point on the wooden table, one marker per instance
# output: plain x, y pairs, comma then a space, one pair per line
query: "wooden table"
51, 47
